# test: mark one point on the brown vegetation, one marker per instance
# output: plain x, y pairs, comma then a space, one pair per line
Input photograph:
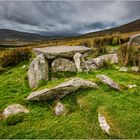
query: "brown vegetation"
13, 57
129, 55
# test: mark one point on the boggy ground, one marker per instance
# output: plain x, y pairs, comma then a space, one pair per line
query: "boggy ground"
121, 108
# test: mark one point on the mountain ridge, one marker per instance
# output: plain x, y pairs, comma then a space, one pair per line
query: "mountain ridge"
6, 34
125, 28
13, 37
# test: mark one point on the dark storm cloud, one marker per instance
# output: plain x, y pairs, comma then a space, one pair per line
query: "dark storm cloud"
68, 16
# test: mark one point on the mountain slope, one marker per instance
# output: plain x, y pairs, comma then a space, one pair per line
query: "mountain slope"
126, 28
12, 38
9, 36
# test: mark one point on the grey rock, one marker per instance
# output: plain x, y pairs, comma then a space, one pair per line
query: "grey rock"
38, 70
103, 123
108, 81
123, 69
62, 64
135, 69
62, 89
92, 65
14, 109
59, 109
98, 62
80, 63
134, 40
61, 51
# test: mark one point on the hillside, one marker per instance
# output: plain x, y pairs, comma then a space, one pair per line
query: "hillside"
127, 28
9, 37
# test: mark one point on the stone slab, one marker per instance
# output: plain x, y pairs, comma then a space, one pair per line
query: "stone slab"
61, 90
61, 51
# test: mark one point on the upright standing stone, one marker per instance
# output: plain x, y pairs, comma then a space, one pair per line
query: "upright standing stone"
38, 70
80, 62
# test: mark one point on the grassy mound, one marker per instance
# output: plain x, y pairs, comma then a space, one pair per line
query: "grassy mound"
121, 108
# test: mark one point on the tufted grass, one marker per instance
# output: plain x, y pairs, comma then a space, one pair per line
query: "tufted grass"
121, 108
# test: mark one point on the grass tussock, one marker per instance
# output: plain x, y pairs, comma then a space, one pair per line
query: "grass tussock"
14, 119
129, 55
99, 44
12, 57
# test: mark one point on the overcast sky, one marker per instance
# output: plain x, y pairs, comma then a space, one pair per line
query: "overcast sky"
68, 16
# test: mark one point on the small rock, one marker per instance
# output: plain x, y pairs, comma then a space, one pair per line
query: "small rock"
123, 69
80, 62
132, 86
59, 109
14, 109
135, 69
108, 81
103, 123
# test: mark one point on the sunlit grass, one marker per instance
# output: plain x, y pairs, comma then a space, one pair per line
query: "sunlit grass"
121, 108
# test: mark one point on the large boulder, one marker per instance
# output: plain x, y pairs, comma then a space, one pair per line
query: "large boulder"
134, 40
13, 110
38, 70
62, 89
62, 64
99, 61
80, 62
61, 51
108, 81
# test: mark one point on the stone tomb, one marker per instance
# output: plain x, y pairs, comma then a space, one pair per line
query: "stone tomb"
56, 58
61, 51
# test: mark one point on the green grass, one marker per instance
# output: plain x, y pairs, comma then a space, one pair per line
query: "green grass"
121, 108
